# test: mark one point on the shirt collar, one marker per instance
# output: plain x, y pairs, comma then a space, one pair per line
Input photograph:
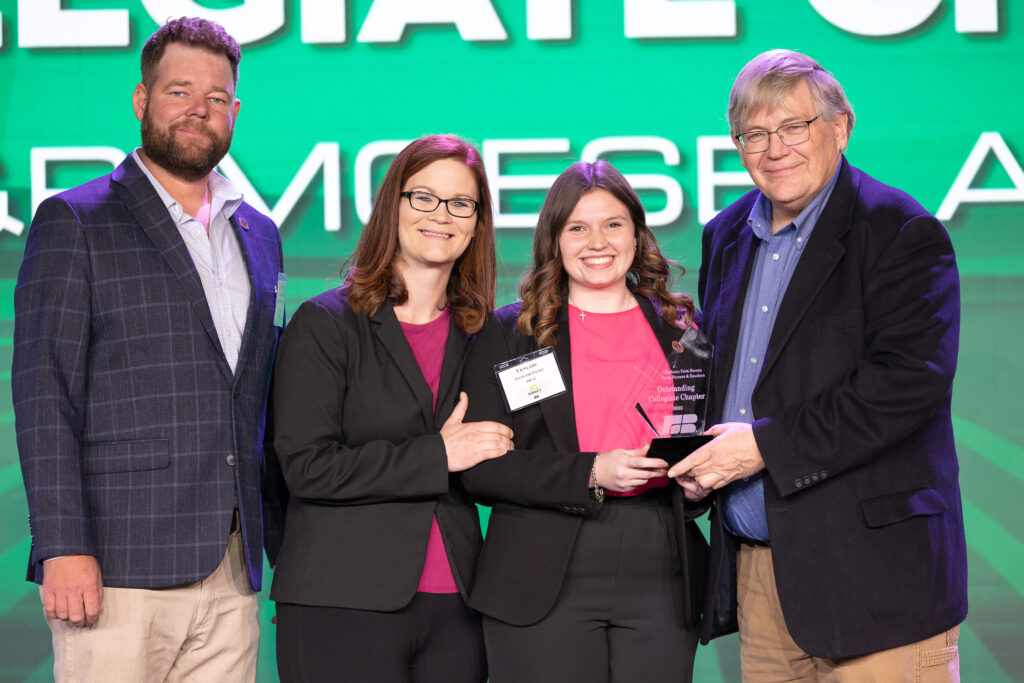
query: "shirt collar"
760, 218
222, 192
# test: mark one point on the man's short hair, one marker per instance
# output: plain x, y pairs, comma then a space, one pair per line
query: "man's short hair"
188, 31
767, 79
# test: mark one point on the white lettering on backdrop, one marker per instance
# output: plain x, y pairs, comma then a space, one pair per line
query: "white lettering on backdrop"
326, 157
961, 191
46, 23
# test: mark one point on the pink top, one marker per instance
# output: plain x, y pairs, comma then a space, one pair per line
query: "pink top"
428, 343
617, 363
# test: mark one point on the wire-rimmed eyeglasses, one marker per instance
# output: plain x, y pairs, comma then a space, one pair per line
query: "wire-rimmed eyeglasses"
757, 141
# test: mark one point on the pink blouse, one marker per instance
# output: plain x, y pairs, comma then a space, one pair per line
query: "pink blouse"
617, 363
428, 342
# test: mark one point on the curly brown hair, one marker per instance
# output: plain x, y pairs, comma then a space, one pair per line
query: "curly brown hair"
546, 285
188, 31
370, 273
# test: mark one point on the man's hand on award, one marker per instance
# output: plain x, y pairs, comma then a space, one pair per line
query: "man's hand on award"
732, 455
73, 589
469, 443
623, 469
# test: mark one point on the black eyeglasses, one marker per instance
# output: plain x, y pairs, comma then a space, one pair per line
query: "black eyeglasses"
460, 207
757, 141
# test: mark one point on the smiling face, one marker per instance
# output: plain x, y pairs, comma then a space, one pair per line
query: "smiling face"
597, 245
188, 114
436, 238
791, 176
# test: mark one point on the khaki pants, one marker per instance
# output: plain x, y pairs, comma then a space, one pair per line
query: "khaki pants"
768, 653
207, 632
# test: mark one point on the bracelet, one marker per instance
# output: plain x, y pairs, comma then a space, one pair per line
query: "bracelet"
596, 492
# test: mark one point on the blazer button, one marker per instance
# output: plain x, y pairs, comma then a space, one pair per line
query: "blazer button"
235, 392
797, 483
230, 460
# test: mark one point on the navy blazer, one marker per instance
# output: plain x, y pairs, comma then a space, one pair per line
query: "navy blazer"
135, 437
356, 433
852, 418
538, 492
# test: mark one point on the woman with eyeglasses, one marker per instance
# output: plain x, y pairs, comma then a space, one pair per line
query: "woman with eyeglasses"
381, 540
590, 569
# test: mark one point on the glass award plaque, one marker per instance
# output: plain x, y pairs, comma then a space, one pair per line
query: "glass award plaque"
677, 408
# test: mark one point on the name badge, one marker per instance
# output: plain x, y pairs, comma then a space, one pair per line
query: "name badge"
282, 283
530, 379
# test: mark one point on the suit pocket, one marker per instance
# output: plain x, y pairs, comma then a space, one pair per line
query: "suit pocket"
897, 507
126, 456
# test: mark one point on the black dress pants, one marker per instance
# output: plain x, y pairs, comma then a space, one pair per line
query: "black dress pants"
433, 639
619, 617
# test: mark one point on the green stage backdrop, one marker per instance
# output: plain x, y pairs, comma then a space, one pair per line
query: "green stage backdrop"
332, 88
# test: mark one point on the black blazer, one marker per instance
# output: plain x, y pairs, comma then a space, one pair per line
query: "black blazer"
538, 492
359, 445
852, 417
137, 441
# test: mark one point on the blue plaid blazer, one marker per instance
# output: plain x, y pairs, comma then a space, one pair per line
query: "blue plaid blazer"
135, 437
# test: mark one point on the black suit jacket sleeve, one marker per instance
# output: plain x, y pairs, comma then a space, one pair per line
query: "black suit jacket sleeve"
536, 473
272, 485
273, 489
904, 373
319, 460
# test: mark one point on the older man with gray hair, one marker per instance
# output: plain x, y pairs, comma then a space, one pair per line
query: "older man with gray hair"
833, 301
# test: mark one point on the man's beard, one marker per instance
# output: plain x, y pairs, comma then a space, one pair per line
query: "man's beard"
188, 161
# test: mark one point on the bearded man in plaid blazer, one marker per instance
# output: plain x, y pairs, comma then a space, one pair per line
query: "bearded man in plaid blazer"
145, 330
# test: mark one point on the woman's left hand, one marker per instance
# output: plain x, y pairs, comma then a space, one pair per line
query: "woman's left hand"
623, 469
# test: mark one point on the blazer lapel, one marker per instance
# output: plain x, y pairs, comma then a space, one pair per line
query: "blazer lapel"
559, 412
737, 262
451, 370
389, 331
820, 257
145, 205
257, 285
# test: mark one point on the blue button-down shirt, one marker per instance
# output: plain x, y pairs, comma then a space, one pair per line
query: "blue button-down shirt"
774, 262
217, 257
